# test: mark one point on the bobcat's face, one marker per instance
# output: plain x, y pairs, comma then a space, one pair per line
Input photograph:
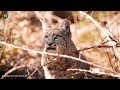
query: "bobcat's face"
55, 39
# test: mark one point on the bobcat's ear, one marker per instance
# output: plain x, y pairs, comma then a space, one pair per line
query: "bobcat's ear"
65, 27
45, 26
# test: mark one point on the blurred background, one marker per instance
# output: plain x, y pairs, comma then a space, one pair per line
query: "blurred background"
23, 28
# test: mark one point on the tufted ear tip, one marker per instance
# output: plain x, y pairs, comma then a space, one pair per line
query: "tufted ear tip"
64, 27
65, 24
65, 21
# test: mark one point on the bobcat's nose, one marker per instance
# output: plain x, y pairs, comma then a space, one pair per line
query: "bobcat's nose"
49, 43
51, 46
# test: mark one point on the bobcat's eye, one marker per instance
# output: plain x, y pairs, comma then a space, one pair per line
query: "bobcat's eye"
57, 37
46, 37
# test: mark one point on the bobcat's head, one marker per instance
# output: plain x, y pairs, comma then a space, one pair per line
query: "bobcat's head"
56, 39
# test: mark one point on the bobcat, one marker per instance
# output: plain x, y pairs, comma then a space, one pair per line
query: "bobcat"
58, 40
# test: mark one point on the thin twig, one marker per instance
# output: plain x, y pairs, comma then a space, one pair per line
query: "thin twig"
106, 48
98, 46
94, 72
103, 31
37, 69
110, 32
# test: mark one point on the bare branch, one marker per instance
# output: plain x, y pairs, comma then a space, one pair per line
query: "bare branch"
103, 31
94, 72
59, 55
29, 75
11, 70
98, 46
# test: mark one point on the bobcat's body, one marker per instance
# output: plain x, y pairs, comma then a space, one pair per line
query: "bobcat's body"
59, 41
